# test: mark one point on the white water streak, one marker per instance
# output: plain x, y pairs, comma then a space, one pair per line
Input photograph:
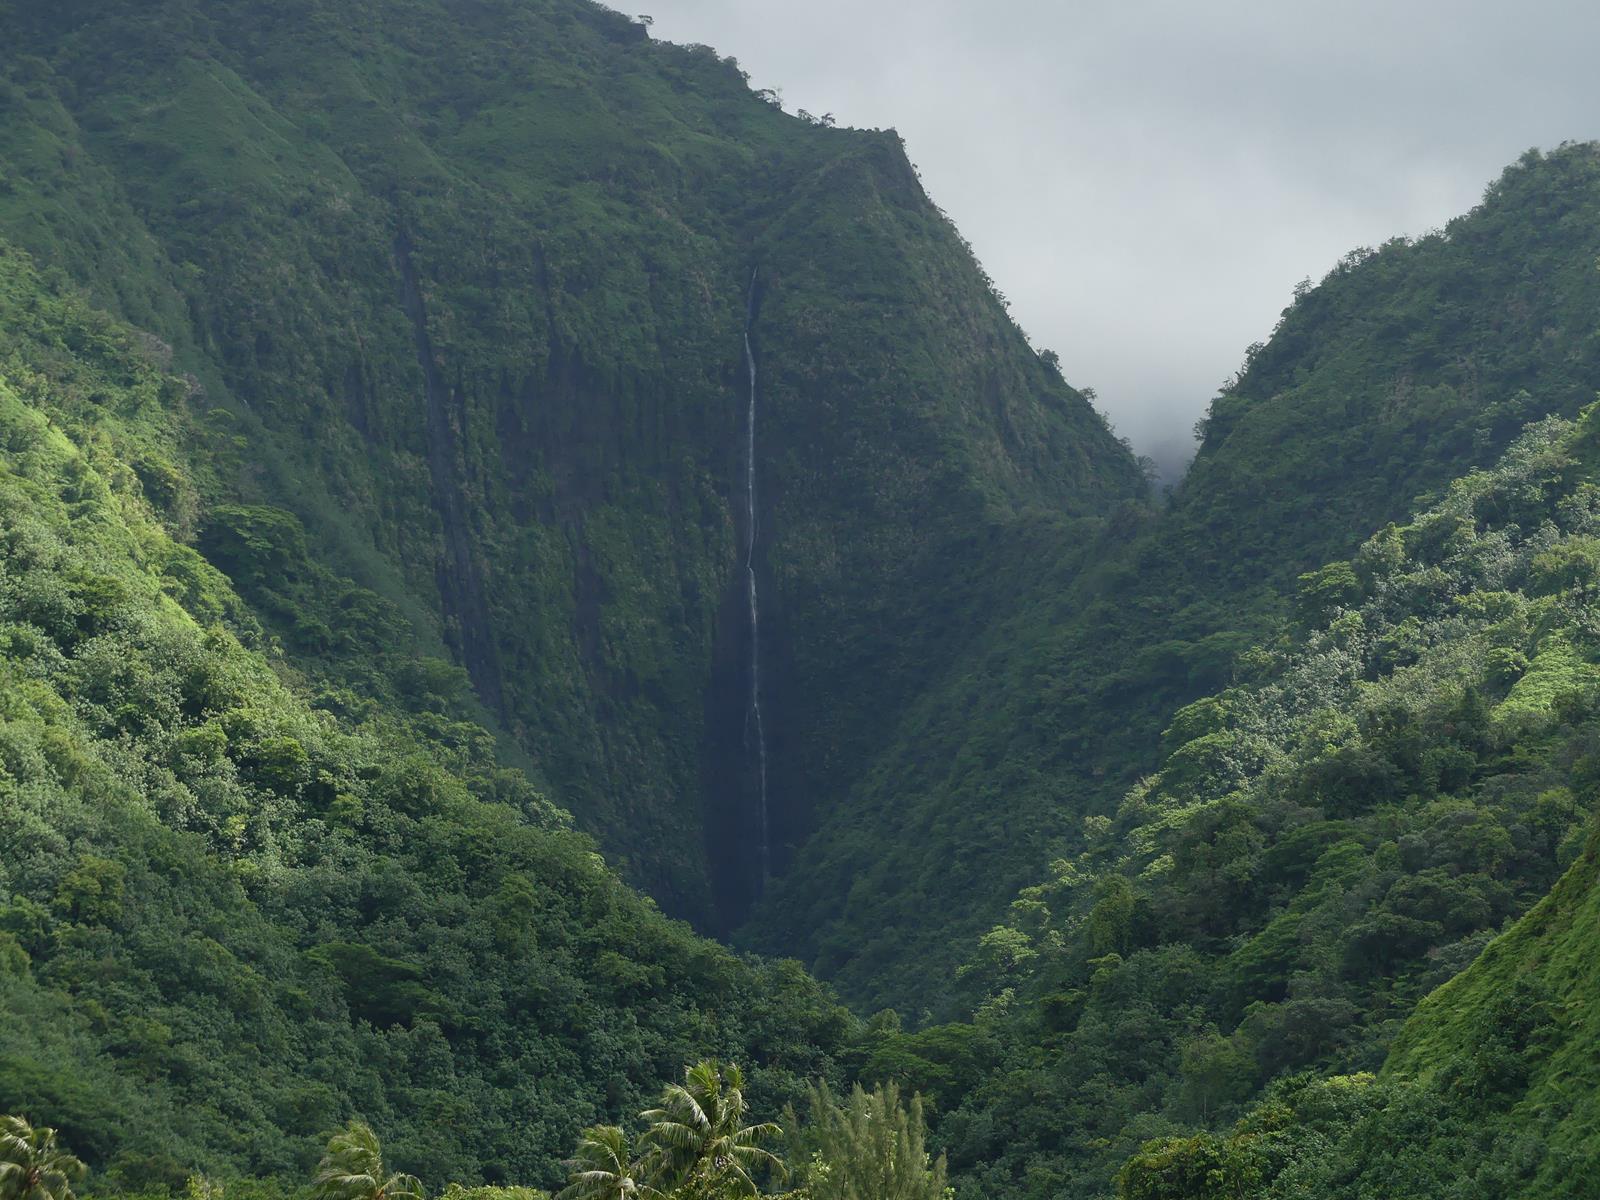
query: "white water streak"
753, 717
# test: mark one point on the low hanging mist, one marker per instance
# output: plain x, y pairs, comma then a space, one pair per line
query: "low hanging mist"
1148, 182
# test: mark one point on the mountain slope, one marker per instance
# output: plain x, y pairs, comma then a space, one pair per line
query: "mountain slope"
1406, 367
397, 472
480, 274
1487, 1091
1326, 841
236, 907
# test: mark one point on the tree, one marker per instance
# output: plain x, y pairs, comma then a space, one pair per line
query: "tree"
1202, 1167
872, 1148
32, 1166
1216, 1074
353, 1169
602, 1169
696, 1144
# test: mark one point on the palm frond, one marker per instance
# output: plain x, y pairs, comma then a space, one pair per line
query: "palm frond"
32, 1165
751, 1134
352, 1169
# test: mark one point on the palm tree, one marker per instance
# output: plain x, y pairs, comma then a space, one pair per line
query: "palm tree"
696, 1142
32, 1166
602, 1170
352, 1169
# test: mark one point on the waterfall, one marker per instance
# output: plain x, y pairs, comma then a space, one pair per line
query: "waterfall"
753, 721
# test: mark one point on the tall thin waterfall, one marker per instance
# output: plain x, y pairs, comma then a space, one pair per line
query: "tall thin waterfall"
754, 725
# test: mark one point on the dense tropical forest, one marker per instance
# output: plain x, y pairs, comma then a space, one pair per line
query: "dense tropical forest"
524, 566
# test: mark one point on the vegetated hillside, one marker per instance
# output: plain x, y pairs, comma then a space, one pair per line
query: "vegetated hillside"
475, 281
423, 457
237, 906
1488, 1090
1404, 368
1408, 767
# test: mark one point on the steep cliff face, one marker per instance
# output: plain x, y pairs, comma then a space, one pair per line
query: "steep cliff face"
236, 906
895, 390
473, 279
474, 385
1407, 367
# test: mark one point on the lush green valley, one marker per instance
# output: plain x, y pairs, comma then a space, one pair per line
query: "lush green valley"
1373, 391
473, 279
406, 410
239, 906
1405, 770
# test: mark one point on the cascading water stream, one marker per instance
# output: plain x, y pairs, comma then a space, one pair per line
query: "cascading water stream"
754, 725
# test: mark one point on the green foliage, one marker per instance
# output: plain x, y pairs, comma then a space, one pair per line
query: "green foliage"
240, 902
1217, 1075
603, 1169
696, 1144
460, 297
940, 1062
32, 1166
1398, 374
352, 1169
419, 498
871, 1147
1202, 1167
456, 1191
1332, 587
1328, 840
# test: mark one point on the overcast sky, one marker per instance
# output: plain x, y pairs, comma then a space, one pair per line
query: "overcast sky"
1148, 179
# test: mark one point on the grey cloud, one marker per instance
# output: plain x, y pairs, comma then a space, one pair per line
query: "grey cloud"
1148, 180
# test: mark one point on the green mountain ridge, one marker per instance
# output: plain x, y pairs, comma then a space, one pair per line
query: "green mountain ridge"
373, 382
236, 908
1406, 367
1401, 773
479, 276
1482, 1091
